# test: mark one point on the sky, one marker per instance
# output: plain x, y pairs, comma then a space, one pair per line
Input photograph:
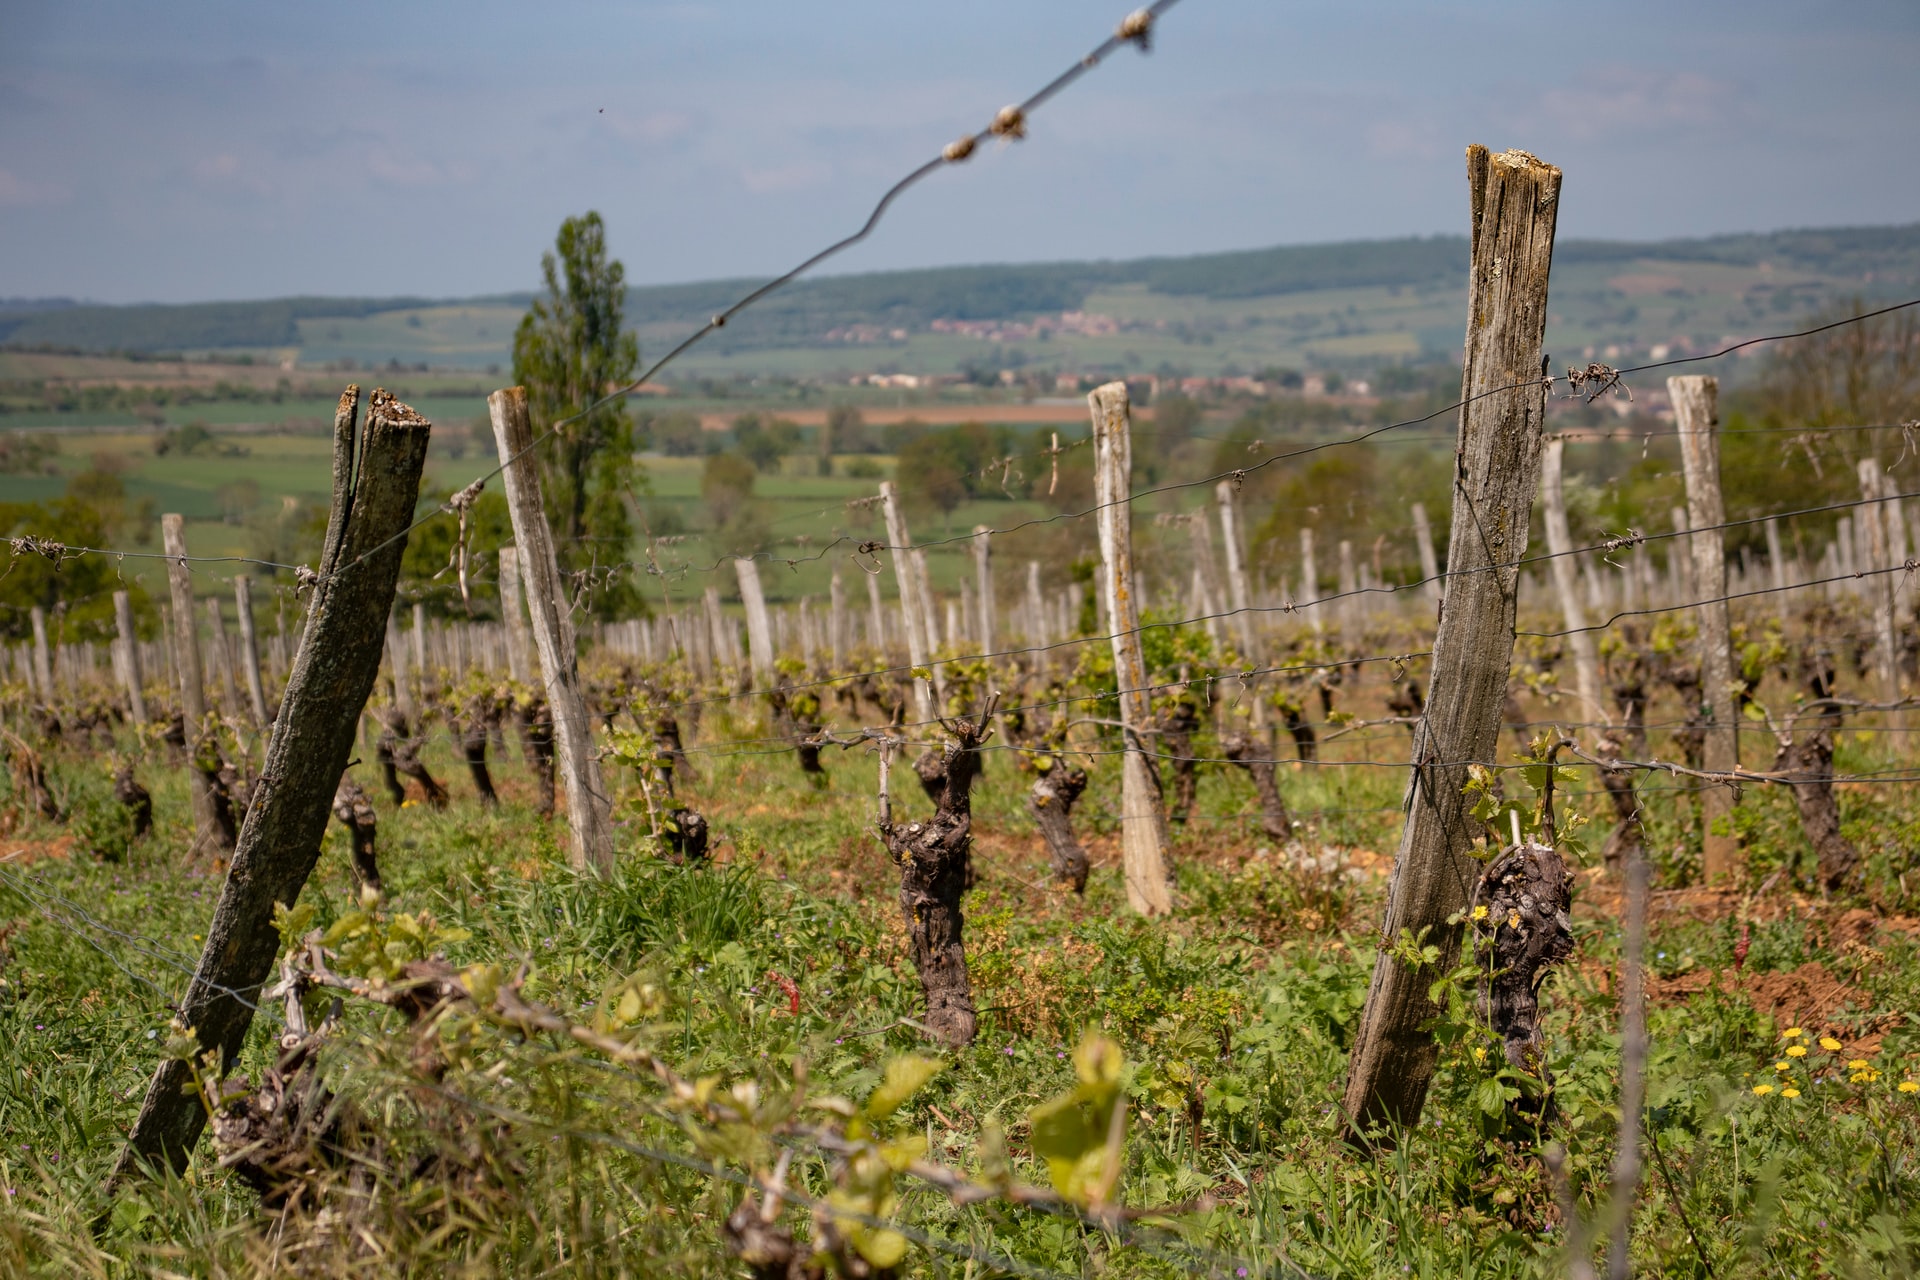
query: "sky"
201, 150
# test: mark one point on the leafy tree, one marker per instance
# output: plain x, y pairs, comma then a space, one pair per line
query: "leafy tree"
726, 485
846, 431
679, 434
950, 465
764, 443
929, 474
1175, 417
76, 591
569, 351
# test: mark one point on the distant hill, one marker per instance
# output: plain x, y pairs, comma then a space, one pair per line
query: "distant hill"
1325, 302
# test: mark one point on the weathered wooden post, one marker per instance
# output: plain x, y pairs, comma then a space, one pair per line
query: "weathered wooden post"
42, 655
223, 658
719, 633
1696, 418
1679, 561
250, 649
1514, 198
1777, 563
1309, 577
877, 616
130, 661
983, 583
759, 633
1038, 634
1586, 655
589, 811
1349, 588
513, 611
916, 614
1143, 823
837, 640
1872, 517
396, 648
1227, 495
422, 659
1423, 543
186, 662
280, 842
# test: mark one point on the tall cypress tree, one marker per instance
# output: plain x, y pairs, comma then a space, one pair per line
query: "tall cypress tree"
569, 351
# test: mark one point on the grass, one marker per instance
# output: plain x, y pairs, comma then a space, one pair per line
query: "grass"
1235, 1017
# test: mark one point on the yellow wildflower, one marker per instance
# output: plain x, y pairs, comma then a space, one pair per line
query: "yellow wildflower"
1782, 1066
1791, 1033
1865, 1075
1858, 1064
1908, 1086
1796, 1051
1480, 913
1763, 1089
1789, 1092
1829, 1044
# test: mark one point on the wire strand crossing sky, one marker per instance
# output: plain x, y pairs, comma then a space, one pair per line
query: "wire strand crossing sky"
213, 149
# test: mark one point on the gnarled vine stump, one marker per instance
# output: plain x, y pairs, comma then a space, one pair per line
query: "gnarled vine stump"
933, 858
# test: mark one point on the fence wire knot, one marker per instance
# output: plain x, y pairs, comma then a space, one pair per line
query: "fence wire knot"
1138, 27
28, 543
959, 149
1011, 122
304, 579
1604, 377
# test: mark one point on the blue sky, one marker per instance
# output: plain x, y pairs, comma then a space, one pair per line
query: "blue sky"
189, 151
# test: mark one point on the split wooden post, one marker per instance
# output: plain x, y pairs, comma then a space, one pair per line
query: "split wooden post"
916, 615
1423, 543
1586, 655
1696, 418
186, 663
759, 633
1227, 495
250, 649
983, 583
1143, 823
589, 811
1514, 198
513, 611
129, 639
42, 654
280, 842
